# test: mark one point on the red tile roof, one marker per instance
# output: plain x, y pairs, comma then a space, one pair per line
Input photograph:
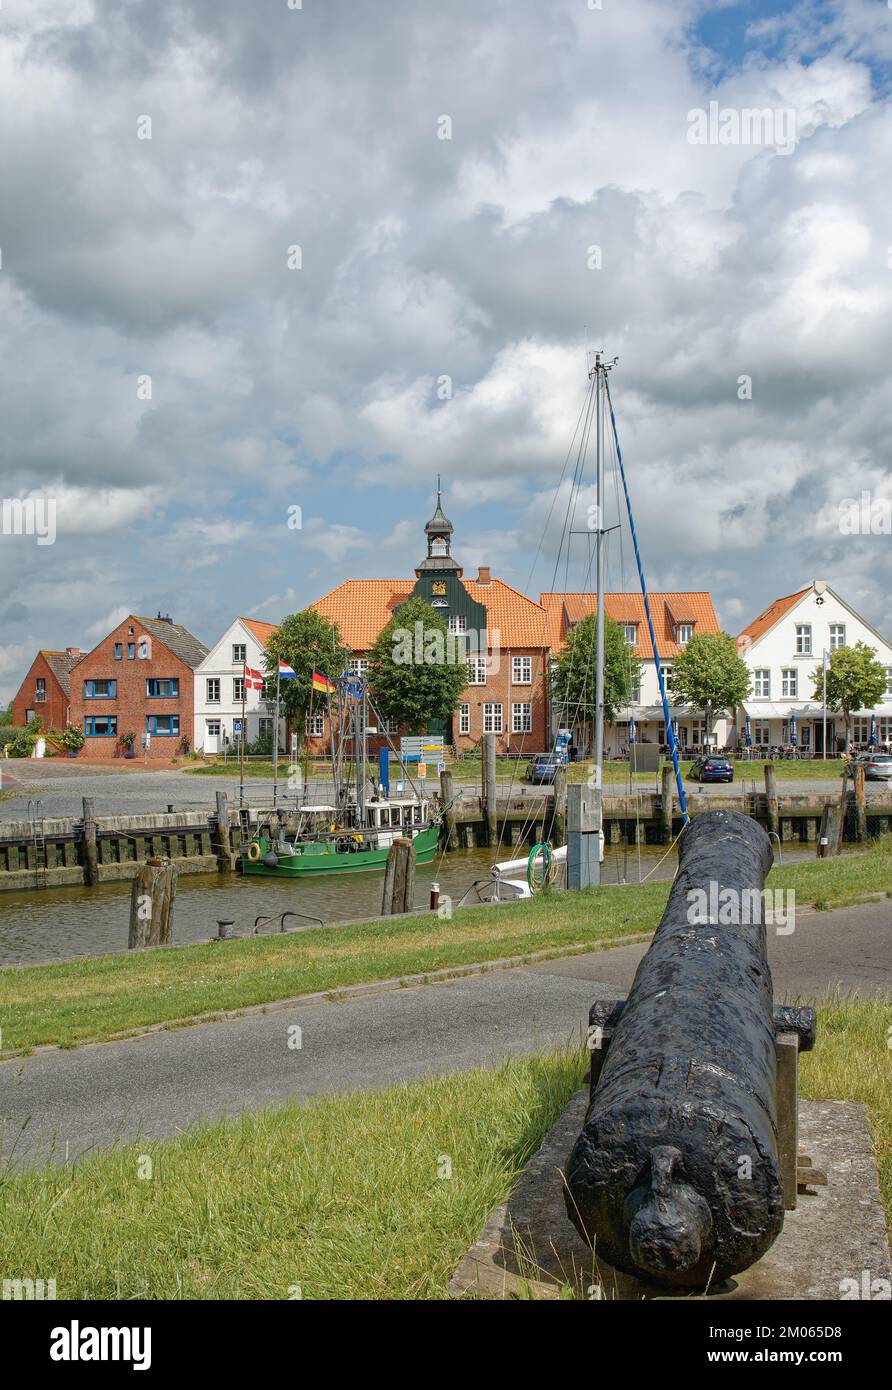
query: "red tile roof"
262, 631
773, 614
564, 610
362, 608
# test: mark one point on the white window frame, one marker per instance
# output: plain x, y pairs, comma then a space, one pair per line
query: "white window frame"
630, 633
761, 733
685, 633
762, 678
521, 670
236, 648
464, 719
213, 728
493, 719
522, 717
837, 636
803, 639
457, 623
789, 682
238, 683
358, 665
889, 680
476, 668
315, 725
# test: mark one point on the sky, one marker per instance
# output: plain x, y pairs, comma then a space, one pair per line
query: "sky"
266, 261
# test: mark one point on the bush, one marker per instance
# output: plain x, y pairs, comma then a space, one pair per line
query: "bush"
9, 733
72, 738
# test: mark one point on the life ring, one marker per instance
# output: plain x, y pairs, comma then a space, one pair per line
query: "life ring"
254, 852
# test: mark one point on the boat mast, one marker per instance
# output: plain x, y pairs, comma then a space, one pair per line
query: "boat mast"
599, 569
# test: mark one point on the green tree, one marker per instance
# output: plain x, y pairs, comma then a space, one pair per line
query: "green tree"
417, 669
855, 680
307, 642
573, 676
710, 675
6, 715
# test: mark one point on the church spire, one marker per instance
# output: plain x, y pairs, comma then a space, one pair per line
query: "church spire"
439, 531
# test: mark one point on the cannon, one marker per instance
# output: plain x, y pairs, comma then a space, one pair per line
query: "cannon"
677, 1176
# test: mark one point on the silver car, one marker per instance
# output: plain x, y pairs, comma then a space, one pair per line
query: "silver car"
878, 767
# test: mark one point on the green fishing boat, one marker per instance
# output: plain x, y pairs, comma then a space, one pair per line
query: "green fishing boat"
344, 852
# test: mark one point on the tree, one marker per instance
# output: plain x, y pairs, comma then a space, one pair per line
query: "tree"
710, 675
573, 676
417, 668
855, 680
307, 642
6, 716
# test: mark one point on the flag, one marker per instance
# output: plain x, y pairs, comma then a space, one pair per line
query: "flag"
319, 682
826, 661
286, 672
253, 679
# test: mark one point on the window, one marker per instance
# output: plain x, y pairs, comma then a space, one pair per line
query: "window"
458, 623
635, 694
40, 691
492, 719
390, 726
144, 648
464, 719
359, 665
477, 670
762, 683
131, 651
316, 725
889, 680
630, 632
790, 681
837, 636
163, 685
239, 653
214, 728
665, 672
803, 639
238, 689
860, 730
100, 690
521, 670
685, 633
101, 726
268, 688
884, 730
119, 651
522, 718
698, 732
165, 725
761, 733
213, 690
265, 728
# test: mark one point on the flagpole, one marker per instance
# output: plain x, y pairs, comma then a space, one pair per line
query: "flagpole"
824, 665
276, 738
241, 742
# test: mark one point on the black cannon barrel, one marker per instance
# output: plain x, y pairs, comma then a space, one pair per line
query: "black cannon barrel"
675, 1177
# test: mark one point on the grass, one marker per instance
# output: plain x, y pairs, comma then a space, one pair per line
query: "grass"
346, 1197
80, 1000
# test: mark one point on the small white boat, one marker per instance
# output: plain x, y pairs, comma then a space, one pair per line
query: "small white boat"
507, 880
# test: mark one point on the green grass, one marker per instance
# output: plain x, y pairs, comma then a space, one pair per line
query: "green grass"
347, 1196
80, 1000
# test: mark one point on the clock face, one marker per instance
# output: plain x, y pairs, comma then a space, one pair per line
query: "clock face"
438, 587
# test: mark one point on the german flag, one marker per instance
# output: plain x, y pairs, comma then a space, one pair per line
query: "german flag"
320, 683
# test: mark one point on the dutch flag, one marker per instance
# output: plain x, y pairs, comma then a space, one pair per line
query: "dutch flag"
286, 672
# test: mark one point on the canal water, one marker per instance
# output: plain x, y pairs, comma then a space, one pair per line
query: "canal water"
60, 923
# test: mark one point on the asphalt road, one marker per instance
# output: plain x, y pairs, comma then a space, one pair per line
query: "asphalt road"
65, 1103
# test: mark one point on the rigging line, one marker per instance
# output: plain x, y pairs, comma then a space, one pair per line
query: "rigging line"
673, 746
557, 490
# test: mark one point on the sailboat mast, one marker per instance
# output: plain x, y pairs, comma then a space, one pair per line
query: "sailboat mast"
599, 568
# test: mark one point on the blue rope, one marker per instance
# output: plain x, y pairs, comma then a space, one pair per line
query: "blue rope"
673, 745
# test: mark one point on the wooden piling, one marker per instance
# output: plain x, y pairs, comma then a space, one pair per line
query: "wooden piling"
828, 835
223, 843
91, 859
447, 793
667, 779
489, 786
559, 810
399, 878
771, 798
152, 895
860, 808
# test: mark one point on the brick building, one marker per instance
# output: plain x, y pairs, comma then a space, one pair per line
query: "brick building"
140, 680
45, 693
504, 632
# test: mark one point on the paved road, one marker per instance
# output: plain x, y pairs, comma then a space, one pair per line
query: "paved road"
129, 789
159, 1084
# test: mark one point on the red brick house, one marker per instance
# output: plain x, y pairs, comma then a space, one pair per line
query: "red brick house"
45, 693
505, 634
139, 679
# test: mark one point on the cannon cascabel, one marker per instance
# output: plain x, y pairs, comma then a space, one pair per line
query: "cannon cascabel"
675, 1177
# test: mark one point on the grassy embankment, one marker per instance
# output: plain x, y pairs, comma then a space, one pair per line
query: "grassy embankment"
370, 1195
81, 1000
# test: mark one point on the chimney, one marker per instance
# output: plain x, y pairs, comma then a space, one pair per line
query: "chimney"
72, 651
483, 575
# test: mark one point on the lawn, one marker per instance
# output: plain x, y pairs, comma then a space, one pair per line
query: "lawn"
80, 1000
373, 1195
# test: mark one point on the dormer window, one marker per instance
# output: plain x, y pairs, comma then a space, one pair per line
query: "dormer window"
685, 633
630, 632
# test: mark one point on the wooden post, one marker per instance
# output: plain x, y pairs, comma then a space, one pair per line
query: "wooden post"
787, 1102
771, 797
91, 860
828, 835
399, 878
489, 784
447, 793
666, 788
860, 808
152, 896
224, 850
559, 811
843, 806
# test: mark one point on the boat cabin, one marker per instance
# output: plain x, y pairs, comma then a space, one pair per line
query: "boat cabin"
400, 814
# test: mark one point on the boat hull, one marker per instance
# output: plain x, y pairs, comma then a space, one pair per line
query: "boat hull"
325, 864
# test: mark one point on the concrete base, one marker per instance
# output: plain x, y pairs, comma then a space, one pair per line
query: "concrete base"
837, 1233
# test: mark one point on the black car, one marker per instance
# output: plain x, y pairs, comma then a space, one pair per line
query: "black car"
541, 770
712, 768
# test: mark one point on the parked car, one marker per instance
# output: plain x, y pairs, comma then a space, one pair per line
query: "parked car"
540, 770
877, 767
712, 768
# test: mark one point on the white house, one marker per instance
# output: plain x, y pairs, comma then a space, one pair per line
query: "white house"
783, 647
218, 688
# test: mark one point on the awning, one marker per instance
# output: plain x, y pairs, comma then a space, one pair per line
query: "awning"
805, 709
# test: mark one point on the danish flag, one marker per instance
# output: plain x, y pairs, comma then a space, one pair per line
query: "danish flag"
253, 679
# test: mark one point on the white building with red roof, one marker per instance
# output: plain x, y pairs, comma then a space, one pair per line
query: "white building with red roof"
218, 688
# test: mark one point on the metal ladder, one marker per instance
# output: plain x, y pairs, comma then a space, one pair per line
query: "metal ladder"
38, 840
